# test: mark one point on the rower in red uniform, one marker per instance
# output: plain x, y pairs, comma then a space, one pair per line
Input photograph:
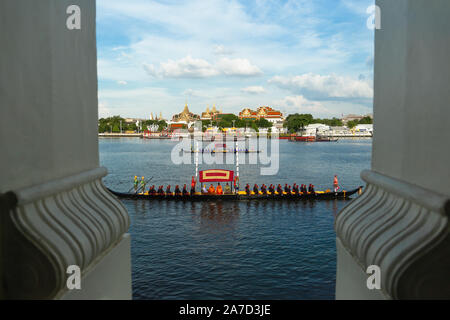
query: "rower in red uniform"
185, 192
193, 183
336, 183
264, 189
280, 190
168, 191
255, 189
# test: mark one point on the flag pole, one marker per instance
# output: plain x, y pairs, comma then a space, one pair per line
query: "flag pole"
196, 160
237, 164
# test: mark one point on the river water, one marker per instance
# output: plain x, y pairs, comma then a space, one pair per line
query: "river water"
234, 250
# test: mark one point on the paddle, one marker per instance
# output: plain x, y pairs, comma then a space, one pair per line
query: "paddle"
140, 187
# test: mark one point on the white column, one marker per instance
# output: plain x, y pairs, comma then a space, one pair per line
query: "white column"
60, 213
401, 222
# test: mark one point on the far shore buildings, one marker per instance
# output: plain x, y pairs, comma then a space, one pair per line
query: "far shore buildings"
155, 117
186, 118
353, 117
210, 114
183, 119
264, 112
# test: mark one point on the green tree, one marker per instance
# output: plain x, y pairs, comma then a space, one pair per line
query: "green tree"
297, 122
351, 124
263, 123
366, 120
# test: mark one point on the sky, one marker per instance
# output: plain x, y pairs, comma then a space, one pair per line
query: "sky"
302, 56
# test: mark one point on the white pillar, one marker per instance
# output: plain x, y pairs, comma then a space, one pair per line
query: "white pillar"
60, 214
401, 222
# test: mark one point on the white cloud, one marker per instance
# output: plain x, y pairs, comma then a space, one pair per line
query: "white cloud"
122, 82
324, 87
238, 67
254, 90
299, 104
220, 50
189, 67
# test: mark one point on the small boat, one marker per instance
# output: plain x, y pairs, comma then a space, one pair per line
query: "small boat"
221, 151
326, 139
303, 138
242, 195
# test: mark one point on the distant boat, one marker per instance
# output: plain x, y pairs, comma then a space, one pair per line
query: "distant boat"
303, 138
222, 151
326, 139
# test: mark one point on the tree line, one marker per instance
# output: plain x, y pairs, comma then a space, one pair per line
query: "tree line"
115, 123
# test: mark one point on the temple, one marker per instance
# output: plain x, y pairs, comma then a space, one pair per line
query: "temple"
185, 116
210, 114
263, 112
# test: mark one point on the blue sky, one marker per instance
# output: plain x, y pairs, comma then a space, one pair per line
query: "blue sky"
305, 56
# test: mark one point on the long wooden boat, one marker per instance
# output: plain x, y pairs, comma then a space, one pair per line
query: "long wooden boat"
303, 138
222, 151
242, 195
326, 139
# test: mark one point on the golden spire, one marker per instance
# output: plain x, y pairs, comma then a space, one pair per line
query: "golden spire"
214, 108
186, 109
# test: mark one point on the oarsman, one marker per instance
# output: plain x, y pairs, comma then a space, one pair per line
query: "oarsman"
271, 188
143, 184
247, 189
161, 190
295, 188
255, 189
236, 183
219, 189
312, 189
185, 192
264, 189
152, 190
336, 183
279, 189
286, 188
193, 183
177, 190
227, 189
168, 191
136, 183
